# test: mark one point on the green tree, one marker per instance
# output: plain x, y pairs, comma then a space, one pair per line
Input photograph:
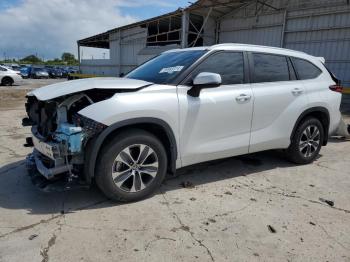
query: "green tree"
68, 57
31, 59
55, 61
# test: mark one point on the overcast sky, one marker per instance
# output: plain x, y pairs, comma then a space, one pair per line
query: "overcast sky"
50, 27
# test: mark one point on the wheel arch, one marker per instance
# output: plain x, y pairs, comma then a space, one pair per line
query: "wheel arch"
322, 114
155, 126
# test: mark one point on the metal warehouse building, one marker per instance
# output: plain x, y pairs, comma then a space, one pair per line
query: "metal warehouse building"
318, 27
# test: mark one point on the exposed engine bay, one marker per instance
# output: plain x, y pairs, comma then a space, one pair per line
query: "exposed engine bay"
60, 133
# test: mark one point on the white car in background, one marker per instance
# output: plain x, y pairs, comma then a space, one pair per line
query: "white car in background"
183, 107
9, 77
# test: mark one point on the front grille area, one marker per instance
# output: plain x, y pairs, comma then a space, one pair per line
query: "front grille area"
47, 121
42, 114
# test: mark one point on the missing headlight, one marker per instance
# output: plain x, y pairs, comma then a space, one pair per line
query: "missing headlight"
90, 127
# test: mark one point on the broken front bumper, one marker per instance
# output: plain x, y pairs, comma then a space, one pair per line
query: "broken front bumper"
48, 157
61, 154
45, 178
48, 165
35, 159
61, 184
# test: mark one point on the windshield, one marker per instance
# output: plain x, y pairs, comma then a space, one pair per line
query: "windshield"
164, 68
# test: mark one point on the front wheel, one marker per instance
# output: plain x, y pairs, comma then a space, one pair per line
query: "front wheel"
306, 142
131, 166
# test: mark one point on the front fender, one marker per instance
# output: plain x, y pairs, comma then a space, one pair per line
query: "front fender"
94, 145
153, 105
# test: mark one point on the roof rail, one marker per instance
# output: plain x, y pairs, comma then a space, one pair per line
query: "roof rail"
260, 46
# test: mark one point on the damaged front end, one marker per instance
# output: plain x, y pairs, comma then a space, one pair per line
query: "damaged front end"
59, 137
62, 135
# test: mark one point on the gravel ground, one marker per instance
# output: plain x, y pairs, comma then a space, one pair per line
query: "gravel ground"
251, 208
35, 83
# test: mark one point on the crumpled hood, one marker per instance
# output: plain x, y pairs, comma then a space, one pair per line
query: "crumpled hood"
70, 87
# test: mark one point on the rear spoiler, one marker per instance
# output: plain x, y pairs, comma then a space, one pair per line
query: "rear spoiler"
322, 59
334, 78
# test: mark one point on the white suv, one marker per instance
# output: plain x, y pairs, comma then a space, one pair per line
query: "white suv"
9, 77
183, 107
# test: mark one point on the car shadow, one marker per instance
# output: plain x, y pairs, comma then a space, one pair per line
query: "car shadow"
17, 191
337, 140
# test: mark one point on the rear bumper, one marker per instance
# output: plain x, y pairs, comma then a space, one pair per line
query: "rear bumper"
17, 79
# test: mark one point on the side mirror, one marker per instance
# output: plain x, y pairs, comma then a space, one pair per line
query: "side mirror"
204, 80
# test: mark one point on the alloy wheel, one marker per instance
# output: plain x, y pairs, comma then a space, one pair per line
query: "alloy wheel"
309, 141
134, 168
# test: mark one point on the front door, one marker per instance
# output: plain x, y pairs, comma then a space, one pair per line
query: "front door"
217, 123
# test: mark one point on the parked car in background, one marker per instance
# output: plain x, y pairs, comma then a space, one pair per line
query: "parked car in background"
183, 107
56, 73
64, 72
9, 77
71, 70
39, 73
16, 68
25, 71
49, 69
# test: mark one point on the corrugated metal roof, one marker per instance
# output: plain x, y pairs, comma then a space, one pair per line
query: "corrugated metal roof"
219, 8
96, 38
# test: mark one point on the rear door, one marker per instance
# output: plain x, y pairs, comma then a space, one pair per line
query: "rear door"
279, 99
316, 83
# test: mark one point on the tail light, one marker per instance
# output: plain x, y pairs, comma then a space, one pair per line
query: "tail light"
336, 88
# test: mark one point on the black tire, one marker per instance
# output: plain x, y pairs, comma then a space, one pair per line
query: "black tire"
294, 152
107, 161
7, 81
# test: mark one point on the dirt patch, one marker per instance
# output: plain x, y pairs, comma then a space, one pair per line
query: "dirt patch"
12, 98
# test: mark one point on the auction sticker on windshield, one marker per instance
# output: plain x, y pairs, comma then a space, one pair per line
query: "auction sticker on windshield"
171, 70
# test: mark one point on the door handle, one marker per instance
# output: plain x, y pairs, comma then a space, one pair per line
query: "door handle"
243, 98
297, 91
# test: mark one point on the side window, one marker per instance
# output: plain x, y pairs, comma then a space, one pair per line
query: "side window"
230, 65
3, 68
305, 69
270, 68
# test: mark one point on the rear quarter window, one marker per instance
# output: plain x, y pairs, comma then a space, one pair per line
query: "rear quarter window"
305, 69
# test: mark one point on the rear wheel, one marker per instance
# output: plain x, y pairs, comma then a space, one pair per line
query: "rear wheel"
306, 142
7, 81
131, 166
